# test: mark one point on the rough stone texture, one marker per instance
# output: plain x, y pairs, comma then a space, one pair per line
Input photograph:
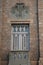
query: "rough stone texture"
4, 62
33, 63
5, 29
0, 26
40, 9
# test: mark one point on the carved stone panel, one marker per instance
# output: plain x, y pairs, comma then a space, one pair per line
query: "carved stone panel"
19, 58
20, 11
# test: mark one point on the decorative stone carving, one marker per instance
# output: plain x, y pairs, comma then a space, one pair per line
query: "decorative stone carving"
21, 58
20, 11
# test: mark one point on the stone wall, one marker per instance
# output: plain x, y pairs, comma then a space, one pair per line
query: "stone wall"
5, 30
0, 27
40, 9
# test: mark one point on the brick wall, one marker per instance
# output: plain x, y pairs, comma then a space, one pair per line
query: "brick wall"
41, 30
5, 30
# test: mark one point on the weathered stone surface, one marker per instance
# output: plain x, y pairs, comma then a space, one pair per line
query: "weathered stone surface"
5, 29
33, 63
40, 10
4, 63
41, 61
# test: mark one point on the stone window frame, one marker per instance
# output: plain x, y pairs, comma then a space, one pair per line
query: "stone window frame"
17, 22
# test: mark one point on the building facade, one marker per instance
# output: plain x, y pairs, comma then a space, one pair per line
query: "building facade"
21, 32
